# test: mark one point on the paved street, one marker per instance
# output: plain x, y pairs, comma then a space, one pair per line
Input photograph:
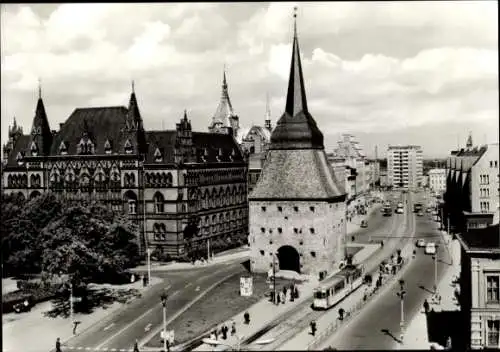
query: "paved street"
361, 333
145, 315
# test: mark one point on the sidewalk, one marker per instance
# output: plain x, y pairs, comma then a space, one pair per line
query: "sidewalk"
217, 259
261, 314
416, 334
33, 332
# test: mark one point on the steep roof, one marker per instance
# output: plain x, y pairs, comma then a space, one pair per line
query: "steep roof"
103, 123
41, 134
297, 174
296, 129
164, 141
214, 147
21, 146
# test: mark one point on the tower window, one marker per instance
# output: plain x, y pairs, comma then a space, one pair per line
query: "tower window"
313, 254
296, 230
296, 208
263, 230
312, 230
312, 209
263, 208
280, 209
261, 252
280, 230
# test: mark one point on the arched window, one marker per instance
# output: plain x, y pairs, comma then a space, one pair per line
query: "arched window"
213, 224
147, 180
159, 203
132, 180
131, 202
32, 181
9, 181
169, 181
213, 198
23, 180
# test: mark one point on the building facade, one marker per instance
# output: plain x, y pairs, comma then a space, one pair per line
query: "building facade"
404, 166
480, 287
187, 190
472, 186
297, 208
437, 180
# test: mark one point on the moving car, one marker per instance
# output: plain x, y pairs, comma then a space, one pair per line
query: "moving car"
421, 243
420, 213
430, 248
399, 210
364, 223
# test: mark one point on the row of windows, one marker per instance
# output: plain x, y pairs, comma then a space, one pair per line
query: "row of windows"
280, 230
225, 226
484, 192
221, 197
295, 208
158, 179
313, 253
86, 147
21, 181
494, 163
485, 206
484, 179
493, 289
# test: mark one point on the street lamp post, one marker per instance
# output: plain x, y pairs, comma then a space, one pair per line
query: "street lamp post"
434, 257
71, 302
275, 300
164, 303
401, 294
149, 265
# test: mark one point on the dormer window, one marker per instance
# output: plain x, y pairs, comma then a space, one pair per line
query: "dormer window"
107, 147
128, 147
158, 156
19, 159
63, 150
90, 147
34, 149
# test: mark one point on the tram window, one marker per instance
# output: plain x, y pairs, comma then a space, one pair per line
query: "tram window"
339, 286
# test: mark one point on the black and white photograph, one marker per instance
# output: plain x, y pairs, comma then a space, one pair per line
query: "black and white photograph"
250, 176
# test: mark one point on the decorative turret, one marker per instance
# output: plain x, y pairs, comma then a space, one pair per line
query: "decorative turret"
134, 126
41, 135
268, 114
469, 144
184, 141
224, 119
296, 129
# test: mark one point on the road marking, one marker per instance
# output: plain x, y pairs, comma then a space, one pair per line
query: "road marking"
109, 326
197, 288
188, 285
186, 307
174, 294
148, 327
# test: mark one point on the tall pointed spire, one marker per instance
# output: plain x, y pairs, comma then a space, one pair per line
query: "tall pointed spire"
39, 88
224, 110
268, 114
41, 134
296, 129
296, 97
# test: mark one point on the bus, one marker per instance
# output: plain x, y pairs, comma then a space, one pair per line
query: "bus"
417, 207
387, 211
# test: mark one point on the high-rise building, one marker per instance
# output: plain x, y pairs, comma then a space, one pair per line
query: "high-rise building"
404, 166
297, 208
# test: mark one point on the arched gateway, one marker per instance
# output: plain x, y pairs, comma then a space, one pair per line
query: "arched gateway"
288, 258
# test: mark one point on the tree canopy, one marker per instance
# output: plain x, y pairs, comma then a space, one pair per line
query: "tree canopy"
49, 235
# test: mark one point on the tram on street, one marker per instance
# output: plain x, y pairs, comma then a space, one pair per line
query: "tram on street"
335, 289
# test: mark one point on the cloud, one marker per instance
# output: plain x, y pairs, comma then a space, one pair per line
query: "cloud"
368, 66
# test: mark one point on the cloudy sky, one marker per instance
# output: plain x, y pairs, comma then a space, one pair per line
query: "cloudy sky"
389, 72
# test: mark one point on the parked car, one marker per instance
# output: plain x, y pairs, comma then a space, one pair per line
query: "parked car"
364, 223
399, 211
421, 243
430, 248
420, 213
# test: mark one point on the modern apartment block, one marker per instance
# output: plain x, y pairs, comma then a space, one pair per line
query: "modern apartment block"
404, 166
437, 180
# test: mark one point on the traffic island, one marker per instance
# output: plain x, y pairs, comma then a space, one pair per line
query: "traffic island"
221, 304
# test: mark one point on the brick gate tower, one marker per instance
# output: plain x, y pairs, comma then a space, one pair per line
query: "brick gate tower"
297, 208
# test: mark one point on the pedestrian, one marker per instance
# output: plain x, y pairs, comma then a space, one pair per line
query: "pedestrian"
144, 281
136, 346
426, 306
233, 328
224, 332
75, 324
58, 345
313, 328
283, 298
216, 334
284, 290
278, 298
246, 316
296, 292
272, 296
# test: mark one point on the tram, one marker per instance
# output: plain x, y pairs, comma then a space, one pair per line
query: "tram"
335, 289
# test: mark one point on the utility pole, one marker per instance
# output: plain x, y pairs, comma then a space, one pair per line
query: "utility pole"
208, 249
144, 225
71, 301
401, 294
163, 298
274, 278
148, 251
435, 271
